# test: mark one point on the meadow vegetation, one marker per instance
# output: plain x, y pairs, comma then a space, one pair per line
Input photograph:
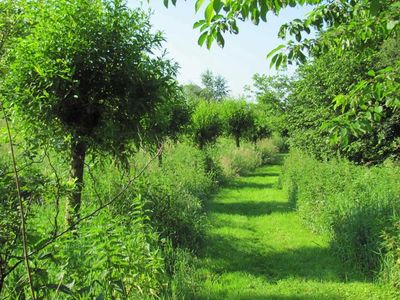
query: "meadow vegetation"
117, 182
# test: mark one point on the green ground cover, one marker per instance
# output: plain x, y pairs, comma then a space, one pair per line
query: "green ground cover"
257, 247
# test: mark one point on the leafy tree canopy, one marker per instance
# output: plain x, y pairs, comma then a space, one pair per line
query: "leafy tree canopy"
238, 118
83, 77
215, 86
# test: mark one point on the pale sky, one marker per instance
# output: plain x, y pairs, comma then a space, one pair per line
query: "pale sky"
243, 55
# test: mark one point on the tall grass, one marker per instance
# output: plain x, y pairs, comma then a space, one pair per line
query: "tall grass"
139, 247
356, 205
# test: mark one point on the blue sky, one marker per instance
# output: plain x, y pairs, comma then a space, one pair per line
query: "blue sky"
243, 55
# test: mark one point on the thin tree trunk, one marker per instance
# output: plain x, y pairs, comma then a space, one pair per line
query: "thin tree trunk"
237, 138
78, 153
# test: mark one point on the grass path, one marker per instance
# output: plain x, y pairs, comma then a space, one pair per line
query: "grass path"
258, 248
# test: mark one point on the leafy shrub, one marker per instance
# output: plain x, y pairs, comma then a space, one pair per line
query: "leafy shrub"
354, 204
119, 256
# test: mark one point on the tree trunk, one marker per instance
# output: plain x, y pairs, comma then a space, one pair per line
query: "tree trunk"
237, 138
78, 153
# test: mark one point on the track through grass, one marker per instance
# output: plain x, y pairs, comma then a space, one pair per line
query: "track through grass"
258, 248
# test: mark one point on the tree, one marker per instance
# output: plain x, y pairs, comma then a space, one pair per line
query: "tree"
215, 87
341, 26
167, 120
83, 78
206, 124
238, 118
271, 93
221, 17
261, 126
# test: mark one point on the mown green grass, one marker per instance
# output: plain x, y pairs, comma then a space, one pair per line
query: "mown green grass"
258, 248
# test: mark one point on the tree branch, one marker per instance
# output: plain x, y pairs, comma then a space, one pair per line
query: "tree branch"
21, 206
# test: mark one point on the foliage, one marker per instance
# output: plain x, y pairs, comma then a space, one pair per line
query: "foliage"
91, 95
69, 86
355, 27
238, 118
233, 161
312, 119
221, 16
215, 86
268, 149
261, 127
354, 204
33, 187
206, 123
168, 120
309, 102
192, 93
271, 93
341, 27
173, 195
391, 261
119, 257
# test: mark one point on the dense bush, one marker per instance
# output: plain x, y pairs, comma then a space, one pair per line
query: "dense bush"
354, 204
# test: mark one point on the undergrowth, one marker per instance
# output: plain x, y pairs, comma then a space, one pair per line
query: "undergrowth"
140, 247
358, 206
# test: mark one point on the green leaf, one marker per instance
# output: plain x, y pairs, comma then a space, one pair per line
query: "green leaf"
220, 40
166, 3
198, 4
273, 61
279, 60
202, 38
210, 39
217, 5
392, 24
209, 13
375, 7
275, 50
198, 24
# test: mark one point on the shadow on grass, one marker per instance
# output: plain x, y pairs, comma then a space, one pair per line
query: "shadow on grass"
263, 174
251, 257
248, 184
250, 208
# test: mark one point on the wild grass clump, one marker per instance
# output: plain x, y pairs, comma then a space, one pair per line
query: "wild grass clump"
173, 194
354, 204
268, 149
234, 161
390, 270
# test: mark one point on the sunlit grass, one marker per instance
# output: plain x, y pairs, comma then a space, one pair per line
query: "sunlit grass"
257, 248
